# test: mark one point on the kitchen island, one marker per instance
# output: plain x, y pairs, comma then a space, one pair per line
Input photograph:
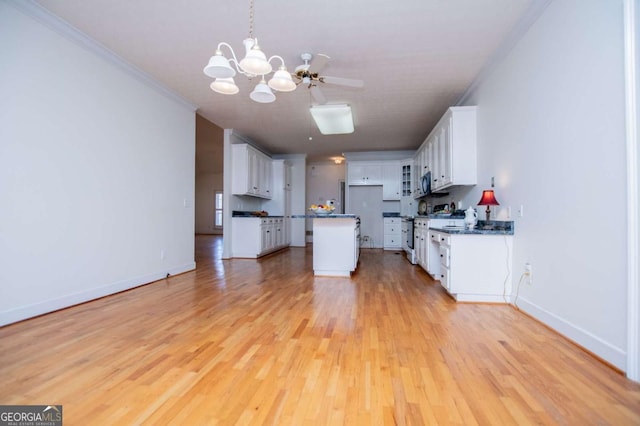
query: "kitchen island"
336, 245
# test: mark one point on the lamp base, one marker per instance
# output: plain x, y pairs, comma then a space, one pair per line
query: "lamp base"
488, 212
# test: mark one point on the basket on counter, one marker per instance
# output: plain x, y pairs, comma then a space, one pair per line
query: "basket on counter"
322, 210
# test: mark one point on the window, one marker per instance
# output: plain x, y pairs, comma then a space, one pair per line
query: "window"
218, 211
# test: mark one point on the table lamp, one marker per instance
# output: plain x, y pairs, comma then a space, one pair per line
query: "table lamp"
488, 199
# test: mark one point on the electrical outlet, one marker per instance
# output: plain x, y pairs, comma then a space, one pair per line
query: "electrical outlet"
521, 210
528, 273
509, 212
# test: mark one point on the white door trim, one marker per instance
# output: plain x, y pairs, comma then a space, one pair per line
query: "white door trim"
631, 34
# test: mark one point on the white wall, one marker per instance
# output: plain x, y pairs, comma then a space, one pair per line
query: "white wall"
96, 168
366, 202
551, 130
323, 183
298, 203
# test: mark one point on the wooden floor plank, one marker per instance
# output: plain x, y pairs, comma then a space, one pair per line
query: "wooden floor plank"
265, 342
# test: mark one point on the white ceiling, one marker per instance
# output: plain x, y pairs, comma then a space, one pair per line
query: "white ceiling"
416, 57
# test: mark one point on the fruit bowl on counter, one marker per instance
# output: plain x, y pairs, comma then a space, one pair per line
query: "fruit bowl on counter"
321, 209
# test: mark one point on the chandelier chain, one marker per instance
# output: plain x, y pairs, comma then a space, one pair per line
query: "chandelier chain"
251, 19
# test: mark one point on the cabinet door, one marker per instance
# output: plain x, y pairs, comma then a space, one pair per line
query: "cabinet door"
279, 233
406, 180
356, 174
267, 240
391, 181
266, 174
253, 172
445, 153
434, 146
364, 174
416, 186
287, 177
373, 174
423, 248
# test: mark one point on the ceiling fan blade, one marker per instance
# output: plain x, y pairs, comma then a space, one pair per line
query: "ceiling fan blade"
342, 81
318, 95
318, 62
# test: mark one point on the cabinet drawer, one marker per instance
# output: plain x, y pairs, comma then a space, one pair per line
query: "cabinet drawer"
394, 220
392, 228
445, 239
392, 240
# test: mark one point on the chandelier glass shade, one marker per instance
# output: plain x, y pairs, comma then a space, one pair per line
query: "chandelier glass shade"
262, 93
226, 86
254, 63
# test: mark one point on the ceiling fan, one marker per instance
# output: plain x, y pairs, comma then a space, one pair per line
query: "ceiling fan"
308, 74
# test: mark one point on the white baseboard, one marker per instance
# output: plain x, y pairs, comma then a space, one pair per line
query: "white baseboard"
46, 306
611, 354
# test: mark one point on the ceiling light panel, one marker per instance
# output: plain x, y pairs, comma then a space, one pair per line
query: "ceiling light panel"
333, 119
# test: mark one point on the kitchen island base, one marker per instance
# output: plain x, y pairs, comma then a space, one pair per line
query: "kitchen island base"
336, 246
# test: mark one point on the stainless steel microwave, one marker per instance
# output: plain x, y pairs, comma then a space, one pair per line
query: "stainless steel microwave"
425, 183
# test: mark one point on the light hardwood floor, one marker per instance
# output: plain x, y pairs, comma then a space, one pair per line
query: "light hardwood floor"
265, 342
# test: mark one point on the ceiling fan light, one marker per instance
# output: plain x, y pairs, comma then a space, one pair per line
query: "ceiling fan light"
226, 86
255, 61
282, 81
262, 93
218, 67
333, 119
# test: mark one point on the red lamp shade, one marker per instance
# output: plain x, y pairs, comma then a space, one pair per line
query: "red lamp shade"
488, 199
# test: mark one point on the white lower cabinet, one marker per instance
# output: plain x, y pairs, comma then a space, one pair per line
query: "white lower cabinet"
392, 233
471, 267
420, 233
253, 237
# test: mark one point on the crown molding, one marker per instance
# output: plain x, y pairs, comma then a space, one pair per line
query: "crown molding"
37, 12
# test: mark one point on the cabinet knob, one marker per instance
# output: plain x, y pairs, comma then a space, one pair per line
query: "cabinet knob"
441, 255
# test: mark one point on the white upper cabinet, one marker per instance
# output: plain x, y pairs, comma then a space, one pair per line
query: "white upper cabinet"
251, 173
391, 181
364, 173
452, 149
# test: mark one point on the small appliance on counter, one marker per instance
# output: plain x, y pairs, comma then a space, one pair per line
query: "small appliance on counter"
441, 209
470, 218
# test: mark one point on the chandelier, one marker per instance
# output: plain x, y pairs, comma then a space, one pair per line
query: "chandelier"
254, 64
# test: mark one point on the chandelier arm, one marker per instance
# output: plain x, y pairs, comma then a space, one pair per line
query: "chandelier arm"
233, 56
277, 57
234, 59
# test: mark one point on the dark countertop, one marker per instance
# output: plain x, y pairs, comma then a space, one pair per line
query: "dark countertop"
254, 217
332, 216
240, 213
390, 214
325, 216
493, 227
